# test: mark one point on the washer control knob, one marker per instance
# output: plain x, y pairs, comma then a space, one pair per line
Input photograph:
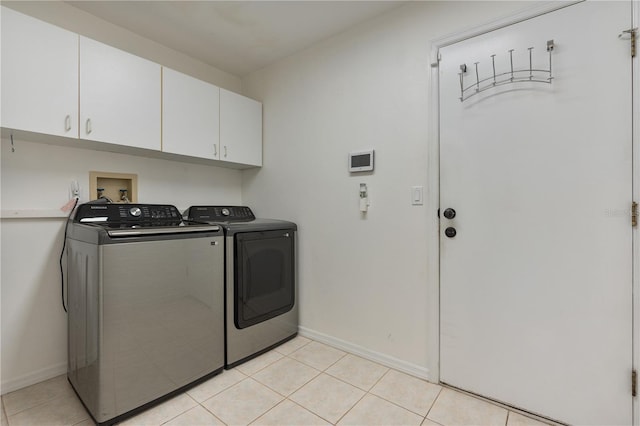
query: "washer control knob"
225, 212
135, 211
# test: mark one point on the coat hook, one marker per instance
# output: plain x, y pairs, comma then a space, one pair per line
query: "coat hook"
511, 74
511, 61
493, 63
477, 77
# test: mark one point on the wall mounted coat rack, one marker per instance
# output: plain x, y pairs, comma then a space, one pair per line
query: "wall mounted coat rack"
520, 75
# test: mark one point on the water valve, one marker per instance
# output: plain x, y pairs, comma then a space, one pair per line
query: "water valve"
124, 197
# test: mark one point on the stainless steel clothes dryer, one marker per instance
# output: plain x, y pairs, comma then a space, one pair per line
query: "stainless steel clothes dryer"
261, 280
146, 306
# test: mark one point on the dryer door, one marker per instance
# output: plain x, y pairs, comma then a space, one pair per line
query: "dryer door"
264, 276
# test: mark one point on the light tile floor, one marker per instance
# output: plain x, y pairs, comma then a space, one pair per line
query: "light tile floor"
302, 382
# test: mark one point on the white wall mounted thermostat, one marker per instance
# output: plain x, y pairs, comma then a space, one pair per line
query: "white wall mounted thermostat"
361, 161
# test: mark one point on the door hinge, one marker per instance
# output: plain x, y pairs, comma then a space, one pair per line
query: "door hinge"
634, 214
634, 383
633, 33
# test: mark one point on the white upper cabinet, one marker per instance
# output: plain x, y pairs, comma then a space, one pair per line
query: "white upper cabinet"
190, 116
39, 76
240, 129
56, 82
119, 97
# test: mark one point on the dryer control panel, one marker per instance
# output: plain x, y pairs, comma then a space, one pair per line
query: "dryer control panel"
219, 213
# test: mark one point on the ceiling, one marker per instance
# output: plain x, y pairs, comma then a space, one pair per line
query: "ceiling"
238, 37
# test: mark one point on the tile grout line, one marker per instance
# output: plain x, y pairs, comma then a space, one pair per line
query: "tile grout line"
368, 392
312, 412
268, 365
188, 409
296, 349
352, 407
306, 409
33, 407
400, 406
342, 380
224, 389
344, 354
266, 412
262, 414
213, 414
250, 376
4, 412
426, 416
320, 372
508, 408
297, 389
316, 368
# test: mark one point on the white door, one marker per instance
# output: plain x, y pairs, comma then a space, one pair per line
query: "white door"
536, 285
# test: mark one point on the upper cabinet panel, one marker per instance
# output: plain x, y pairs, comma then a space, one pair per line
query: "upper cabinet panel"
58, 83
39, 76
119, 97
240, 129
190, 116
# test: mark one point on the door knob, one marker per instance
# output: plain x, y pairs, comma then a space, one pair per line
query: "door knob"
449, 213
450, 232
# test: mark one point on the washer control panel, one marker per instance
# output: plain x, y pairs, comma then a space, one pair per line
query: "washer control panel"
127, 213
219, 213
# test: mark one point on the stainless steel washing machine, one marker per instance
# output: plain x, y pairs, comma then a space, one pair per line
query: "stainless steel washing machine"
145, 306
260, 280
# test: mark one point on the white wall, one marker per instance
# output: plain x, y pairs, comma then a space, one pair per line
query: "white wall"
37, 177
363, 278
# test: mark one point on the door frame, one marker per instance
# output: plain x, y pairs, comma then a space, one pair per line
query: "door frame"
433, 182
635, 131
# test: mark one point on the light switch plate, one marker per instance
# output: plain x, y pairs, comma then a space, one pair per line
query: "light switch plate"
417, 195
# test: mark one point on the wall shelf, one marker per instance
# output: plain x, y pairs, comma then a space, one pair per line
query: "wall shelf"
33, 214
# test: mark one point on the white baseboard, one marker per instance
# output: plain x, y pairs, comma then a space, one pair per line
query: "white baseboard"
380, 358
32, 378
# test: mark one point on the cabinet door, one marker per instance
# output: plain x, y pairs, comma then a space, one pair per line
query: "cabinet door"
39, 76
190, 116
119, 97
240, 129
